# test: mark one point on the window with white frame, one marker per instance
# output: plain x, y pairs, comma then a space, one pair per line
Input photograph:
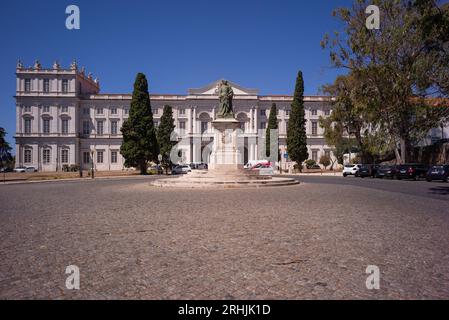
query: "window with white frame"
315, 155
27, 126
46, 156
114, 127
27, 108
65, 85
64, 109
65, 156
27, 157
113, 156
314, 128
65, 126
287, 113
100, 157
99, 110
182, 125
314, 112
46, 85
126, 110
86, 157
182, 111
46, 126
27, 85
46, 109
100, 127
113, 110
86, 111
262, 112
86, 127
155, 111
327, 112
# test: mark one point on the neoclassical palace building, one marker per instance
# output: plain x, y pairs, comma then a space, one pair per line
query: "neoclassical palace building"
63, 119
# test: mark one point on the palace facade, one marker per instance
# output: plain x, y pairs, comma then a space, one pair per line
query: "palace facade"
63, 119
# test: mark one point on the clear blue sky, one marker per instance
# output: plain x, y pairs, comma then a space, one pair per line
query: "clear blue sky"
177, 44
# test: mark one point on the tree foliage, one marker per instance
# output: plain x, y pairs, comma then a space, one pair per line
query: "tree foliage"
164, 132
272, 125
296, 131
5, 150
401, 69
139, 136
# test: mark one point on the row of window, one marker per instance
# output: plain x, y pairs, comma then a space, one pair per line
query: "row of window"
100, 156
46, 156
46, 126
315, 153
46, 85
100, 110
46, 109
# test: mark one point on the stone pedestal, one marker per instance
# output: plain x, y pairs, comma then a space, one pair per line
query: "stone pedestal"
226, 157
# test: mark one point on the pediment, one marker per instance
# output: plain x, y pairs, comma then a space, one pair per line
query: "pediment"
211, 89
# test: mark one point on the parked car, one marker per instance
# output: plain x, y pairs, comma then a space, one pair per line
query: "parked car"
411, 171
438, 173
181, 169
264, 169
386, 171
25, 169
350, 169
313, 167
6, 170
253, 163
364, 171
198, 166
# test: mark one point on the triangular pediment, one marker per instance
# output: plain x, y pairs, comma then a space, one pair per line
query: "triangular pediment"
211, 89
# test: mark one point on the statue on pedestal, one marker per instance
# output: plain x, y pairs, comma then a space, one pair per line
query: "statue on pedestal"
225, 95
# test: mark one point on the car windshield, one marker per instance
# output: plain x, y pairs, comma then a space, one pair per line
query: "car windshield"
349, 166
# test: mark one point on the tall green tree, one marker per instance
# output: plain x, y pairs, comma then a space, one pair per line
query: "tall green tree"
272, 125
5, 150
164, 131
352, 118
400, 68
296, 131
139, 135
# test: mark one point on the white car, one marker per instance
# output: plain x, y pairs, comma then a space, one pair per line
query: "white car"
351, 169
253, 163
264, 169
181, 169
25, 169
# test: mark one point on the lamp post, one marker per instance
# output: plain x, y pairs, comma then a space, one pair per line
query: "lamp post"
92, 172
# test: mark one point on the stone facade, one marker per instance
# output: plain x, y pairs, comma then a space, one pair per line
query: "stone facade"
63, 119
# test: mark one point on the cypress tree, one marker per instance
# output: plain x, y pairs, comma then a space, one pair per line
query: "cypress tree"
164, 131
272, 125
296, 132
139, 135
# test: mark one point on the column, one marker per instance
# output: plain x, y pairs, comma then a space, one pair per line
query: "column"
194, 121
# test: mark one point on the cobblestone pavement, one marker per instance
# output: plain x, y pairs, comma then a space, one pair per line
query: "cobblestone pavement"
309, 241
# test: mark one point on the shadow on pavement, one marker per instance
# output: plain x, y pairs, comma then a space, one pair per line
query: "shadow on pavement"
439, 190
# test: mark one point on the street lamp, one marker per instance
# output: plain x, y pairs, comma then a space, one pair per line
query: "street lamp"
92, 172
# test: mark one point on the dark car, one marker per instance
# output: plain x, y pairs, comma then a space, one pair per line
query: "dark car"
411, 171
314, 167
386, 171
438, 173
365, 170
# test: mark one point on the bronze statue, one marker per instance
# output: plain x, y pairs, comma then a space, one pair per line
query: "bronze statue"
225, 95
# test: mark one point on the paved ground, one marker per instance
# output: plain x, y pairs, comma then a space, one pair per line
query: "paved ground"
314, 240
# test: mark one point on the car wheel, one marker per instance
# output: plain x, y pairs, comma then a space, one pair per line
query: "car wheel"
345, 175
